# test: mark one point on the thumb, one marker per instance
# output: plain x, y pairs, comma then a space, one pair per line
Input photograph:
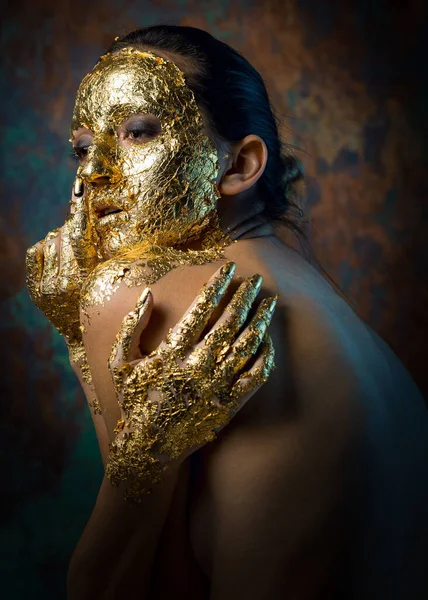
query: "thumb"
126, 347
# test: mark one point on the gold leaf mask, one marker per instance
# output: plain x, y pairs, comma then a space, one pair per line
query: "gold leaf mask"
163, 188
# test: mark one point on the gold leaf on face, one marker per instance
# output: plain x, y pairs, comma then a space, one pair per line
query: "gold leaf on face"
165, 186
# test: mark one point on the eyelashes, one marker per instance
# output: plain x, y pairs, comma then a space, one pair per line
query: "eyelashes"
74, 155
135, 133
79, 153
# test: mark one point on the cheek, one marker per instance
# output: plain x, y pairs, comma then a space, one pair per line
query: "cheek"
145, 162
224, 162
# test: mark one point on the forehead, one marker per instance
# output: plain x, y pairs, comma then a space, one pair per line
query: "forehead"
129, 82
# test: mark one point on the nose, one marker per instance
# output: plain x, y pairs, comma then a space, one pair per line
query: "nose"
97, 169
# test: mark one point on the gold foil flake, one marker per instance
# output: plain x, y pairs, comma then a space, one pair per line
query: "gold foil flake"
51, 235
198, 314
145, 203
141, 266
96, 407
250, 381
85, 370
77, 355
76, 351
78, 186
57, 296
50, 269
168, 399
54, 284
246, 345
163, 187
130, 323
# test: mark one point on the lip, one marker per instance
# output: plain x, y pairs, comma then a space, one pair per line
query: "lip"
102, 210
110, 217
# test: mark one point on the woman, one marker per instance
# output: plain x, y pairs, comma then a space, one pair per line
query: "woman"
317, 487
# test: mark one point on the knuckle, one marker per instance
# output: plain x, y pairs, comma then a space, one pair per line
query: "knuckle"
32, 251
52, 235
113, 362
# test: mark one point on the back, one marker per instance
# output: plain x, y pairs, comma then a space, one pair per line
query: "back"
340, 420
388, 500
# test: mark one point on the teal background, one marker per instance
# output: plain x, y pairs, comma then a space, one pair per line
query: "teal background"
348, 81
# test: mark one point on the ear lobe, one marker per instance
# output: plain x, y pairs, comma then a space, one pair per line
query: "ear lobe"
249, 159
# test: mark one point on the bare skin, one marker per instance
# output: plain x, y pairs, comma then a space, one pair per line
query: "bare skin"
318, 486
324, 427
301, 494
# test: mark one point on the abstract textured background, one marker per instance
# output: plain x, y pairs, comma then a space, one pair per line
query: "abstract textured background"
348, 81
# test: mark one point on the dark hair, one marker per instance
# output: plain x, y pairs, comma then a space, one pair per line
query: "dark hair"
223, 75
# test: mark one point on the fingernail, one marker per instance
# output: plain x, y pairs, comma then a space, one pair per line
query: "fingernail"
78, 187
256, 281
32, 251
269, 304
273, 303
228, 269
144, 296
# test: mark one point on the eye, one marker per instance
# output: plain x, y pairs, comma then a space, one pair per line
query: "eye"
136, 133
80, 152
140, 128
140, 132
81, 144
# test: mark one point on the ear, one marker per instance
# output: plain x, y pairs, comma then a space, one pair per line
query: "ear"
245, 166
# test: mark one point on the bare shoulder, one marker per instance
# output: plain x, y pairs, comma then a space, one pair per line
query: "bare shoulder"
297, 329
112, 291
326, 364
277, 474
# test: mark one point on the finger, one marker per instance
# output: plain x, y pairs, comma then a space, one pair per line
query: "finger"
199, 312
52, 235
69, 272
78, 203
234, 316
34, 269
126, 346
73, 201
50, 263
81, 235
250, 381
248, 342
78, 188
217, 342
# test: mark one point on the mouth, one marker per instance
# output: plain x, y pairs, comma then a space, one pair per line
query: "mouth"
104, 212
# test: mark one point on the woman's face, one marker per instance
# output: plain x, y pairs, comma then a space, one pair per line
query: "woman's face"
149, 170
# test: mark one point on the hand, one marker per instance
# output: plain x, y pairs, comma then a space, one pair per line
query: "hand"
57, 268
179, 397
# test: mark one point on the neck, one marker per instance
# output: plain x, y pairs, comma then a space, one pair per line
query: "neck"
252, 228
240, 216
236, 218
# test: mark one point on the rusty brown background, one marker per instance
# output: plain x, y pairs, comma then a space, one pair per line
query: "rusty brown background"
348, 80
